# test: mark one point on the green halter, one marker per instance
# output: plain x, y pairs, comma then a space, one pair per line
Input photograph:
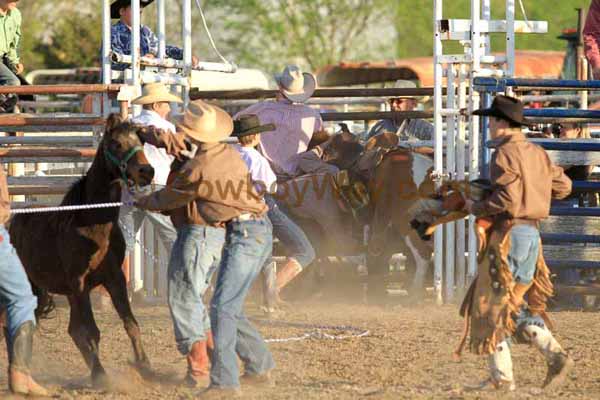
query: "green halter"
122, 164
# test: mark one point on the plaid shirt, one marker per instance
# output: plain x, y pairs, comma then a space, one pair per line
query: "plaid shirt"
121, 43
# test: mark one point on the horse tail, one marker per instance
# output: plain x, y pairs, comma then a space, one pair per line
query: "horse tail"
45, 302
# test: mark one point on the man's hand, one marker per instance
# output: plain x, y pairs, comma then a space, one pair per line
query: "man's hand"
19, 68
149, 55
469, 206
195, 61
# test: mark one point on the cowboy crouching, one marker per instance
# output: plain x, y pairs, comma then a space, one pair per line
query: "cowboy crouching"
507, 299
217, 230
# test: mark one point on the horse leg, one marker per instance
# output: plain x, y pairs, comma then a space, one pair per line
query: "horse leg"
86, 335
422, 264
117, 288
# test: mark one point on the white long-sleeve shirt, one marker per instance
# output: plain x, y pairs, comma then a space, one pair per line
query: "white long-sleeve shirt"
158, 158
263, 177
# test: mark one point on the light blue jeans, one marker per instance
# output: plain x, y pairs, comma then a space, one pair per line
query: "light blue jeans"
15, 290
196, 254
248, 246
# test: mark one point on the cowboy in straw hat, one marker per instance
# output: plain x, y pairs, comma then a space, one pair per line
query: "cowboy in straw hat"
300, 252
121, 35
155, 101
295, 123
513, 276
398, 104
211, 216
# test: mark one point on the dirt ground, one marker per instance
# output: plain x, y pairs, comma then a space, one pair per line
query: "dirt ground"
406, 355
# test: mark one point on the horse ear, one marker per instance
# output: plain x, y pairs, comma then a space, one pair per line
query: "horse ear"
113, 121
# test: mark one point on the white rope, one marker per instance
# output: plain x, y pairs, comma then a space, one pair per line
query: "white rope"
525, 15
210, 38
69, 208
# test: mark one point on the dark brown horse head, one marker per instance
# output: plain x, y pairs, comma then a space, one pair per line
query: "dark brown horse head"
343, 151
123, 152
385, 140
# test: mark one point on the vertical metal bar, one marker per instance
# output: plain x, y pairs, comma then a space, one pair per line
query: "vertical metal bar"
149, 262
135, 49
460, 176
106, 47
450, 169
486, 14
161, 28
476, 52
510, 39
187, 45
124, 108
438, 149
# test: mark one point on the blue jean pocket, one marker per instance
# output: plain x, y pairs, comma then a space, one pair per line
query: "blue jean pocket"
523, 254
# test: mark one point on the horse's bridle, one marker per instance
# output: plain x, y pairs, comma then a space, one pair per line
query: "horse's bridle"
122, 164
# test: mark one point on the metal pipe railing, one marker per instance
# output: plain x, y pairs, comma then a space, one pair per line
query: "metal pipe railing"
172, 63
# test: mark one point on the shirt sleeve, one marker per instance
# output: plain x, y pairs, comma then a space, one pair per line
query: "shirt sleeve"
179, 193
174, 144
152, 41
13, 52
561, 184
116, 44
592, 53
507, 189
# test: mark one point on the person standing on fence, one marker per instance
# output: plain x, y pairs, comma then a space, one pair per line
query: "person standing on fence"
17, 298
121, 35
222, 217
155, 101
508, 297
10, 67
247, 129
295, 123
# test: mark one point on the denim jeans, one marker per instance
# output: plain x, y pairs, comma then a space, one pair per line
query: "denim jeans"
133, 218
248, 246
524, 251
196, 253
7, 77
291, 235
15, 290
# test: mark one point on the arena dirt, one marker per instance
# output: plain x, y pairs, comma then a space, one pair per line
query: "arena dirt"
407, 355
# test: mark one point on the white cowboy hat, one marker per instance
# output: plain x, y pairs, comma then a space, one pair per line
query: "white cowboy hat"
406, 84
204, 122
296, 85
155, 93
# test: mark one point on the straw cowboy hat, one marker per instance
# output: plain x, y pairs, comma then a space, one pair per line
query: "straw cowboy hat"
295, 85
405, 84
505, 107
155, 93
204, 122
249, 124
116, 6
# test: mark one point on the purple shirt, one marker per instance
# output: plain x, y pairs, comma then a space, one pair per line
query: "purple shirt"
294, 127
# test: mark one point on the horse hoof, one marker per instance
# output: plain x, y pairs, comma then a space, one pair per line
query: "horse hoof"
100, 381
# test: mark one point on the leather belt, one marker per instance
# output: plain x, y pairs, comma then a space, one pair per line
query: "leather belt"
244, 217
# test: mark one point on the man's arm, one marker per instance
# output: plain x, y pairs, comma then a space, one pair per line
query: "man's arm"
505, 177
182, 191
561, 184
13, 52
592, 53
174, 144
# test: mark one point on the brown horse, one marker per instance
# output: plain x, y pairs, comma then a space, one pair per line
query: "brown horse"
72, 252
396, 178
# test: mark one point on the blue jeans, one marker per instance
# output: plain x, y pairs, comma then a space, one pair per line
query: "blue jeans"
7, 77
196, 253
524, 251
291, 235
133, 217
248, 246
15, 290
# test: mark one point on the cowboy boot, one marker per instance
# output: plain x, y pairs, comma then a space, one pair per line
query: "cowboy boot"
219, 393
559, 362
198, 369
20, 354
257, 380
501, 371
285, 275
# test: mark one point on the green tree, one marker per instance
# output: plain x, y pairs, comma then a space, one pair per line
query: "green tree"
312, 33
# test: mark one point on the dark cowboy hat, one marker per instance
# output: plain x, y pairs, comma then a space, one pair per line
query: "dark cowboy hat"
504, 107
249, 125
116, 6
